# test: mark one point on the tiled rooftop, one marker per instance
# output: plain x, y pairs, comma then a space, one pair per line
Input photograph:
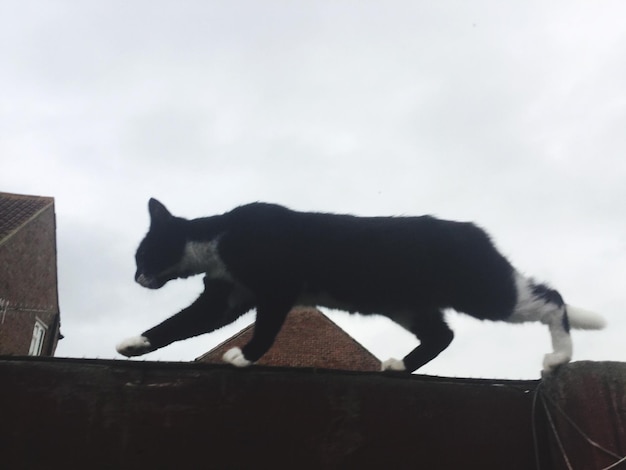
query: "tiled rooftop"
16, 210
308, 339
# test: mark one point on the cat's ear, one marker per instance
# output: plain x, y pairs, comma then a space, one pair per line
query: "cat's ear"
158, 212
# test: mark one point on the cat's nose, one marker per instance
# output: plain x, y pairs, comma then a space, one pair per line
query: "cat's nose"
148, 282
142, 280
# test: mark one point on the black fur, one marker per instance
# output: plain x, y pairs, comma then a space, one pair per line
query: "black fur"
406, 268
542, 291
551, 296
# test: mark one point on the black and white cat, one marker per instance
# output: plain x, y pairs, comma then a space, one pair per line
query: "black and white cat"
409, 269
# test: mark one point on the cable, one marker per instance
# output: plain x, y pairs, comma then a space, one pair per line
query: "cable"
545, 399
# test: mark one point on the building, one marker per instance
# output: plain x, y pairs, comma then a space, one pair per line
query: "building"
29, 305
307, 339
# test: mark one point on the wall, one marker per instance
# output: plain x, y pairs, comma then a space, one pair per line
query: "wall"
586, 403
66, 413
28, 280
127, 414
28, 257
16, 331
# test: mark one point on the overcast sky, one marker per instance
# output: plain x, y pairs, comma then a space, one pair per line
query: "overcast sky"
510, 114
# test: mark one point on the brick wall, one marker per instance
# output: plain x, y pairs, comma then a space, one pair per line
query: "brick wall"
29, 264
16, 331
28, 281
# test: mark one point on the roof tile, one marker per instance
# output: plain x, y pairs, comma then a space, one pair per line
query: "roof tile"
16, 210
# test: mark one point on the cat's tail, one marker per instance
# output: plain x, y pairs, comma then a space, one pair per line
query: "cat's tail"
582, 319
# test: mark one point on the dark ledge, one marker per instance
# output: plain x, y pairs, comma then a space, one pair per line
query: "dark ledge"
121, 414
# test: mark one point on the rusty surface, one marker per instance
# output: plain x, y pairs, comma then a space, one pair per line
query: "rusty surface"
123, 414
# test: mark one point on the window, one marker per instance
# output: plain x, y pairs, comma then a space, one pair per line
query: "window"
39, 334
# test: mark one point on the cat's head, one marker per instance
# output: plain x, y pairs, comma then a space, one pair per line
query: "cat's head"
160, 253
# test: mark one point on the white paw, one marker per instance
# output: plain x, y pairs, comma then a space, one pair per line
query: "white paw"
135, 346
393, 364
553, 360
235, 357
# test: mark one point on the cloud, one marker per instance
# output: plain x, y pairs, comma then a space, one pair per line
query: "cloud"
509, 115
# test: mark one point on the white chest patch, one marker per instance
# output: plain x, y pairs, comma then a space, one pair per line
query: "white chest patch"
203, 257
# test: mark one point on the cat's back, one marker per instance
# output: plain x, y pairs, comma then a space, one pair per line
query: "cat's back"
268, 218
260, 217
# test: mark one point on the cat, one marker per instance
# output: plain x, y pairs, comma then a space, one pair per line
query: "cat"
409, 269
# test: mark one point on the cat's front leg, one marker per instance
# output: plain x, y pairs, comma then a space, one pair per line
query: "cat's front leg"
393, 364
269, 320
218, 305
235, 357
135, 346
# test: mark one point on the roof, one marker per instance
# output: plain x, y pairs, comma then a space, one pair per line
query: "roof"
16, 210
307, 339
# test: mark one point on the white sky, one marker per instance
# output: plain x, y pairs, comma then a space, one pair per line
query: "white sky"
510, 114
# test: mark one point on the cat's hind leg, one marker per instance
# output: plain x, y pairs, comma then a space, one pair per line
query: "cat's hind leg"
434, 334
538, 302
561, 340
